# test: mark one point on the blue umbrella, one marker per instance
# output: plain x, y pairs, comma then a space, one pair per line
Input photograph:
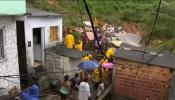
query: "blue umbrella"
88, 65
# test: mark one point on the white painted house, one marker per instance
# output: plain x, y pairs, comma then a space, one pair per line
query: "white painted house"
8, 53
23, 40
9, 9
38, 30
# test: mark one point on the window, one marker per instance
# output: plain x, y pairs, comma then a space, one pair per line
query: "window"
2, 56
53, 33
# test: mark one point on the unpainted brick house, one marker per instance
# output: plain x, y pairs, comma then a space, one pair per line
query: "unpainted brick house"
150, 78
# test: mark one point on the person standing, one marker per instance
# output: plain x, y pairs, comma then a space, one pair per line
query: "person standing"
96, 77
69, 40
84, 40
84, 90
88, 57
79, 46
75, 82
100, 88
106, 76
110, 75
110, 52
65, 88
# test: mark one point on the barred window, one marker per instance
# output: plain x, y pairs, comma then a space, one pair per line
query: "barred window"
2, 56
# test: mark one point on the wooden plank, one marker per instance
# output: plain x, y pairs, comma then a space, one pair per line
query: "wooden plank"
105, 93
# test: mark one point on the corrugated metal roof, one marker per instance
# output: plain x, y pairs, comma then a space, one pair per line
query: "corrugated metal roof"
38, 12
63, 51
135, 54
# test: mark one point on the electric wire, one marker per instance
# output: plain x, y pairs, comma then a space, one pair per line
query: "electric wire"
153, 27
93, 28
149, 39
42, 73
9, 80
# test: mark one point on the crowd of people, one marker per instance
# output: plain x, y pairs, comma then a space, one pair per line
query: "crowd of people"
82, 83
98, 78
79, 87
80, 40
69, 86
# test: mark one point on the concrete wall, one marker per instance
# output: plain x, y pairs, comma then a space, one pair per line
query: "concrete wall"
45, 23
72, 68
61, 65
9, 66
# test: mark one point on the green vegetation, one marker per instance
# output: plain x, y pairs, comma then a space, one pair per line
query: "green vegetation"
117, 12
111, 11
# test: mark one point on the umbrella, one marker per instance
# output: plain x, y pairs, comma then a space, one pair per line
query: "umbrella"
107, 65
88, 65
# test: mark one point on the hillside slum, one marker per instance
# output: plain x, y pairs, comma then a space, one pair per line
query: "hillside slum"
98, 61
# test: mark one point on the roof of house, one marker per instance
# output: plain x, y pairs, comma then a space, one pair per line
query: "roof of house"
129, 38
136, 48
12, 7
63, 51
39, 13
164, 59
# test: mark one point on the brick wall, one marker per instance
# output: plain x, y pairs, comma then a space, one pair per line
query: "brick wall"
9, 66
142, 83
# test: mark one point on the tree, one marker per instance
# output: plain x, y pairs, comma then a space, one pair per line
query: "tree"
165, 28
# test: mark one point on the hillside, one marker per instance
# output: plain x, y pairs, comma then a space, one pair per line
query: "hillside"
119, 12
114, 12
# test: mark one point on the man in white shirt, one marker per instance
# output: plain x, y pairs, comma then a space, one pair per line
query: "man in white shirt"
84, 90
